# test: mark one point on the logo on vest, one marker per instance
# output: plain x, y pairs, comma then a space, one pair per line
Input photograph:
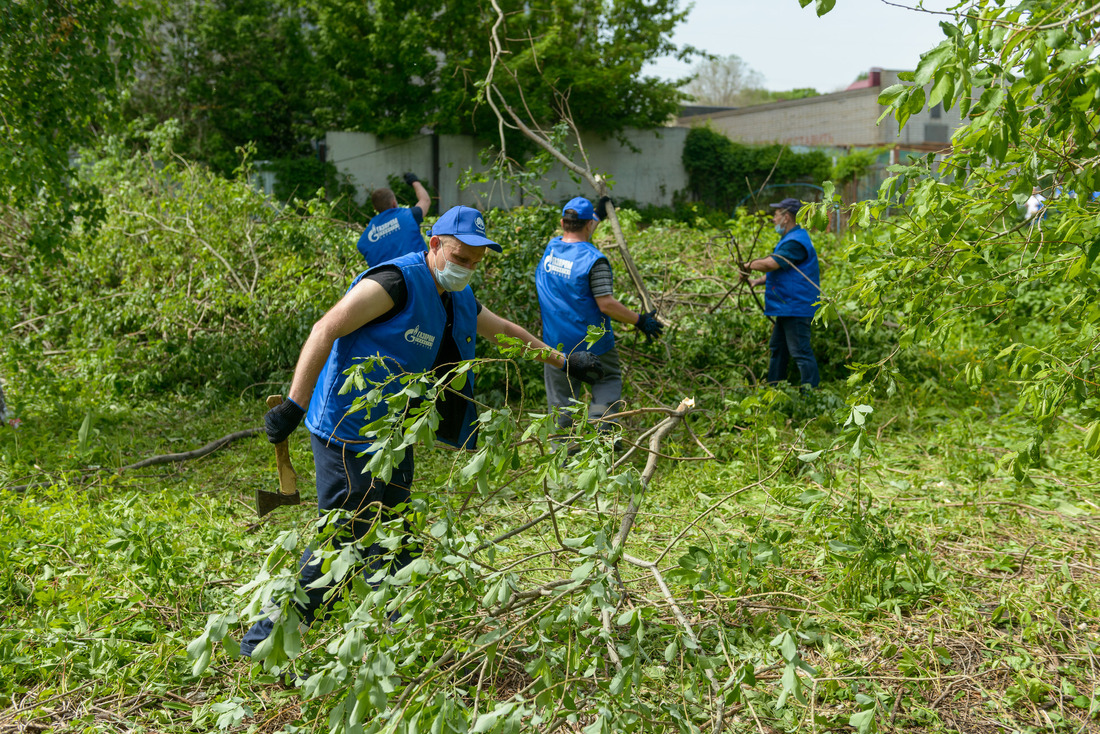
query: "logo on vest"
378, 232
557, 265
420, 338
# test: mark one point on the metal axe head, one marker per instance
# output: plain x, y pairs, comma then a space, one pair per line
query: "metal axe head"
268, 501
288, 480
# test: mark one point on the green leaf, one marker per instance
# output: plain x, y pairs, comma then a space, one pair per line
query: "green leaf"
889, 96
586, 482
200, 650
943, 90
618, 682
82, 434
1092, 439
931, 61
486, 721
582, 571
1075, 269
863, 721
459, 381
1093, 251
473, 467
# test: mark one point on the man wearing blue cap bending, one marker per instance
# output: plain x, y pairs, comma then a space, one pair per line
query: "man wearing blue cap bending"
792, 288
574, 285
417, 313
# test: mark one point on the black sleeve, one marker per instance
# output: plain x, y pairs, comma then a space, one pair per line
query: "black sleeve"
417, 214
393, 282
478, 311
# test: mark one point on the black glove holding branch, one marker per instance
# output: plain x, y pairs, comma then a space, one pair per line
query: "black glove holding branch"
410, 178
281, 420
649, 325
584, 366
601, 206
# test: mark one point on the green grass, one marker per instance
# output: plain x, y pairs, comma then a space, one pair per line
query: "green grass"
820, 566
921, 577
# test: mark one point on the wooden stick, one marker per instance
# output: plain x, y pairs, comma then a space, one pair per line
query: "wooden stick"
163, 458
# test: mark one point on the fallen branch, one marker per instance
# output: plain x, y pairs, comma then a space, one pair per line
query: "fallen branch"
197, 453
161, 459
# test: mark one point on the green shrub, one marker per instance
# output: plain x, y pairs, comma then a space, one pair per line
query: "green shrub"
722, 173
192, 284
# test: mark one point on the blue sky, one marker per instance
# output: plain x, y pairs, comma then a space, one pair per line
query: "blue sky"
792, 47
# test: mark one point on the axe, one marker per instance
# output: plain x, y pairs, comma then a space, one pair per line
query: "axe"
288, 480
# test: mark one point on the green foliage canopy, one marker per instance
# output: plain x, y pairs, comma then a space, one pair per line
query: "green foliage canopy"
956, 253
281, 73
233, 74
61, 64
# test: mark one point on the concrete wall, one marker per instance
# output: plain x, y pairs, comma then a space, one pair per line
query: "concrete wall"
649, 176
842, 119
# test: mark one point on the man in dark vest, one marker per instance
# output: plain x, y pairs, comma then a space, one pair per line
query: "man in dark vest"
417, 313
394, 231
574, 285
792, 288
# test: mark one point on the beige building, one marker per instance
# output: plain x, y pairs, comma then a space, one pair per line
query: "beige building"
836, 123
844, 119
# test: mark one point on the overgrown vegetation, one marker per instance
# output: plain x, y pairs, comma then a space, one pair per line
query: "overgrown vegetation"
910, 547
785, 560
724, 174
956, 250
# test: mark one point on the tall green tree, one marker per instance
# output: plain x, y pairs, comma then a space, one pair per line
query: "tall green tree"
233, 72
583, 57
279, 72
63, 64
946, 247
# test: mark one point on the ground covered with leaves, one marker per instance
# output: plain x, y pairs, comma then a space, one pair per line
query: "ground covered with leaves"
858, 558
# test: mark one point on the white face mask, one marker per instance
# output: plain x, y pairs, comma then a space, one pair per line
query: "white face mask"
453, 277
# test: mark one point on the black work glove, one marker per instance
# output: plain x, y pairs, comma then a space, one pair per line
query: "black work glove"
649, 325
281, 420
410, 178
584, 366
601, 207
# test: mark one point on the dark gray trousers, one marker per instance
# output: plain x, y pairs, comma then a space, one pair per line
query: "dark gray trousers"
563, 391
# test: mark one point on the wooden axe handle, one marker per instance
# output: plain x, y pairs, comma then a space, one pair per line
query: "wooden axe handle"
288, 480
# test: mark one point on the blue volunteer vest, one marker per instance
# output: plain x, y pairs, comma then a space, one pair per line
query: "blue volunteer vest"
410, 342
786, 293
390, 235
565, 296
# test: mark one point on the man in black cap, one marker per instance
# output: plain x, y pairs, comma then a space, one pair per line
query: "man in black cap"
792, 288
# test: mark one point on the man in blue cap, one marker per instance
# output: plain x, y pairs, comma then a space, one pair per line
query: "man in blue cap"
394, 231
418, 313
574, 285
792, 288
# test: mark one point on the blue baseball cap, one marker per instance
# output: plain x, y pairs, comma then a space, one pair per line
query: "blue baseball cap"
791, 205
465, 224
583, 208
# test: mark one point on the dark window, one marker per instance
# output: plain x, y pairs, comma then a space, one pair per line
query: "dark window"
936, 111
935, 133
